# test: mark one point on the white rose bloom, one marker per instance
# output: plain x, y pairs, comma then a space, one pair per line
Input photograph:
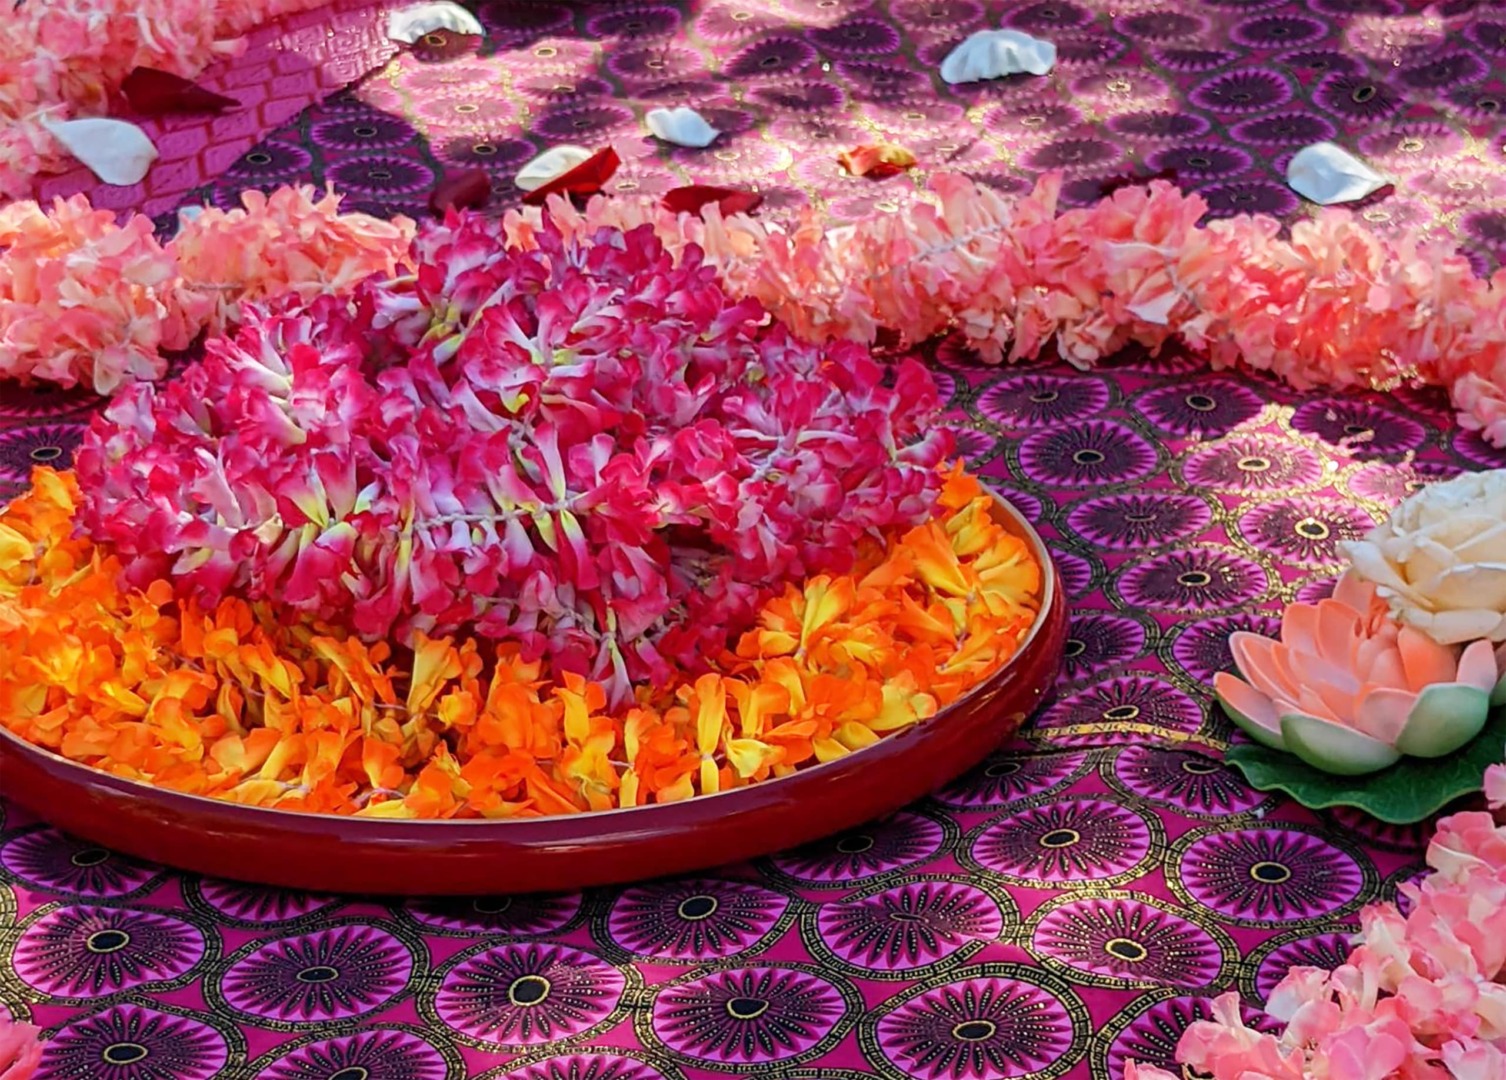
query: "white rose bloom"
1440, 562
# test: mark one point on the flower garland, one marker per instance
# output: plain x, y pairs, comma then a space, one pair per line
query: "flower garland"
1333, 305
65, 58
240, 703
86, 300
1421, 996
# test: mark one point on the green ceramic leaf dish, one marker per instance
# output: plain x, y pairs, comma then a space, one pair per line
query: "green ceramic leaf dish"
1409, 791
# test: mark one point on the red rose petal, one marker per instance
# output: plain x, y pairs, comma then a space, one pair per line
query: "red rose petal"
468, 189
159, 93
587, 178
696, 197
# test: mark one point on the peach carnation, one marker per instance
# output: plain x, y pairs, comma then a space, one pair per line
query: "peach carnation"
84, 300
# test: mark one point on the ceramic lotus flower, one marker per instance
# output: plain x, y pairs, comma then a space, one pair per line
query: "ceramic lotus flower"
1350, 691
1440, 562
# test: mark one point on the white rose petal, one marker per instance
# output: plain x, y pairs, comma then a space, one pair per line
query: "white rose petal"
1327, 174
1488, 545
1456, 627
113, 150
992, 54
1424, 564
1370, 562
1477, 585
682, 126
550, 165
1457, 528
412, 23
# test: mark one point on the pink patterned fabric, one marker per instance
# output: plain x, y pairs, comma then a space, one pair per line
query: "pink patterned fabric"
1101, 876
1073, 900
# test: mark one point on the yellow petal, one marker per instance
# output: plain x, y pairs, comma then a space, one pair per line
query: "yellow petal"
855, 736
435, 662
711, 713
393, 808
759, 707
257, 792
679, 791
825, 602
749, 756
829, 749
15, 549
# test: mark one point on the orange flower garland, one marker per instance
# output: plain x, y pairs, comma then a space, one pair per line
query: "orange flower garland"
237, 704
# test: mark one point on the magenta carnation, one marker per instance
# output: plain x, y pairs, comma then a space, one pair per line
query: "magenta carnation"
587, 448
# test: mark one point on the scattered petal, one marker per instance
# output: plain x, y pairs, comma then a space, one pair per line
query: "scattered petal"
158, 93
1119, 183
585, 180
411, 24
468, 189
550, 166
879, 161
992, 54
113, 150
682, 126
695, 197
1327, 174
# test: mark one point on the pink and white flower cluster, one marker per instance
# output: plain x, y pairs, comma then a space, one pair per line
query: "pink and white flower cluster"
1421, 997
588, 448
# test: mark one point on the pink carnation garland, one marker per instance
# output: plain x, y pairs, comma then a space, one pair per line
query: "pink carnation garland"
1332, 305
588, 449
85, 300
20, 1050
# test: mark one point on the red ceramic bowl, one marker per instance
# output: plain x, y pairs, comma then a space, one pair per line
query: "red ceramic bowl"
469, 858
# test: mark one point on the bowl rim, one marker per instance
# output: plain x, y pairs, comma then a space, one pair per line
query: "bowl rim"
276, 818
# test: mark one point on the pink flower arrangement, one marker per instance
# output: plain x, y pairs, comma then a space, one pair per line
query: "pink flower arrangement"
588, 449
65, 58
1422, 996
84, 300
